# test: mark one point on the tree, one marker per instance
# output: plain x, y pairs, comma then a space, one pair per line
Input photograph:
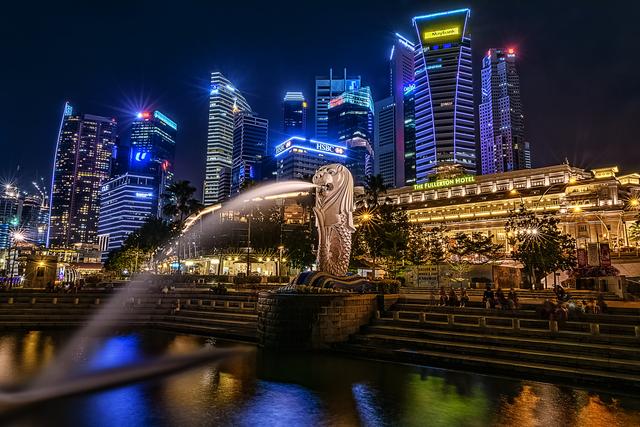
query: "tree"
539, 244
180, 204
140, 246
374, 187
634, 231
468, 249
179, 201
299, 246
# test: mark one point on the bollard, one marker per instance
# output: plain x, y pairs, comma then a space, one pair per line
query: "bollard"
423, 317
199, 302
516, 324
482, 322
450, 319
97, 301
553, 326
159, 301
33, 301
76, 300
11, 300
594, 328
226, 304
396, 315
637, 328
242, 305
377, 314
55, 300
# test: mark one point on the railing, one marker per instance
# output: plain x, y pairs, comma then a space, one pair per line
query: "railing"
500, 323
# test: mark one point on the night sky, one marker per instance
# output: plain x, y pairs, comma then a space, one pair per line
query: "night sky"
579, 67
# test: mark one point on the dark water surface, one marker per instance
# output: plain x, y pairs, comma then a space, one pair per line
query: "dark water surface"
270, 389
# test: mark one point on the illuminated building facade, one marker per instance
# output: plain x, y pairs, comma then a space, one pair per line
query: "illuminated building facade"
299, 158
125, 204
385, 141
294, 112
595, 206
351, 117
502, 144
152, 151
327, 88
82, 164
225, 100
409, 106
444, 108
9, 214
402, 76
250, 135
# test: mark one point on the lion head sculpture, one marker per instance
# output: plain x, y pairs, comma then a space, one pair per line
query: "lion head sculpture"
334, 195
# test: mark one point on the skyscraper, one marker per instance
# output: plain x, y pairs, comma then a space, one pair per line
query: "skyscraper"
401, 67
327, 88
444, 109
351, 124
224, 102
385, 141
249, 149
294, 110
126, 202
82, 164
409, 106
502, 144
152, 151
9, 214
300, 158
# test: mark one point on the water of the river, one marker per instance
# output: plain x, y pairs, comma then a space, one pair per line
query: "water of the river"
270, 389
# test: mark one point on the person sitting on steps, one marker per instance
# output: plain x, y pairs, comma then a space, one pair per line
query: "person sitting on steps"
453, 298
464, 298
443, 297
488, 298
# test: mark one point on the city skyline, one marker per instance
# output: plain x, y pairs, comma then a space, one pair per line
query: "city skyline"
180, 87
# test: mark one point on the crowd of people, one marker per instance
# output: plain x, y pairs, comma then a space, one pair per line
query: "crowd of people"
490, 299
561, 310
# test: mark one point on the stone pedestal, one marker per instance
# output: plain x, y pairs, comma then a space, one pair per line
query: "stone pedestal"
308, 321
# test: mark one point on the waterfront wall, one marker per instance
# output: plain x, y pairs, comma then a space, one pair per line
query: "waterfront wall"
309, 321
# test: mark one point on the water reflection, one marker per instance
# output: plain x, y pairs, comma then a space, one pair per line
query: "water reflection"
266, 388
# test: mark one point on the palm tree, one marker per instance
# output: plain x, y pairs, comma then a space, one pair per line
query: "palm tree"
374, 186
180, 204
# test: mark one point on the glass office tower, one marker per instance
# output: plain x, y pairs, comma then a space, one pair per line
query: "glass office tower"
444, 108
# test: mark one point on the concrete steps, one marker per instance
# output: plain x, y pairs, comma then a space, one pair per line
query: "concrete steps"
499, 366
595, 348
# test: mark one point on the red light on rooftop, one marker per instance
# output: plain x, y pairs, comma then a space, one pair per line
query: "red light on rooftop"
511, 50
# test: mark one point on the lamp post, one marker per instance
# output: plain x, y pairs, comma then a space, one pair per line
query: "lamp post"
280, 249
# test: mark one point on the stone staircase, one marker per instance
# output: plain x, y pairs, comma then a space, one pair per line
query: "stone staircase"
230, 316
595, 349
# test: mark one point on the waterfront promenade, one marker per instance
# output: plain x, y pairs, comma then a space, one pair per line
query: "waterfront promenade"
601, 349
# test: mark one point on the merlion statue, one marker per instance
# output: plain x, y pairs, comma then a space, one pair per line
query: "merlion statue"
334, 218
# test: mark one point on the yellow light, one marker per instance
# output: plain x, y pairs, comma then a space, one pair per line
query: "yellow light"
577, 209
284, 259
365, 216
434, 34
634, 202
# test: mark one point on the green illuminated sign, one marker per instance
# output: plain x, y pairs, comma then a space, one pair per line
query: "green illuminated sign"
466, 179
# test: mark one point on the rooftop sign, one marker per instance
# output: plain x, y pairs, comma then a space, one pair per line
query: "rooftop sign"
441, 183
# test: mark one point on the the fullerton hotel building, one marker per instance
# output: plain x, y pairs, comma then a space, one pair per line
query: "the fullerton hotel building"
595, 206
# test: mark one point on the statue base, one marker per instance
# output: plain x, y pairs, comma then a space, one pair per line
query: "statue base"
331, 283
